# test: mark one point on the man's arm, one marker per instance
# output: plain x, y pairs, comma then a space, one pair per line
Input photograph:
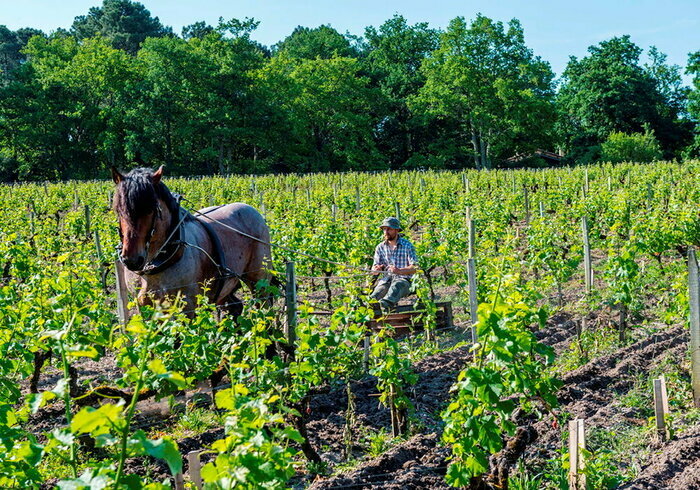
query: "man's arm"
404, 271
378, 264
412, 267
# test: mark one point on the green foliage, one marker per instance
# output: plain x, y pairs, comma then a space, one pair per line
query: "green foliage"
123, 23
635, 147
609, 91
254, 453
509, 367
489, 83
322, 42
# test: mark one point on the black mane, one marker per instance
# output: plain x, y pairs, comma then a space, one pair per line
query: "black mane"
138, 196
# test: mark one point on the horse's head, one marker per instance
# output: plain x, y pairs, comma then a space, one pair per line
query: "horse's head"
142, 206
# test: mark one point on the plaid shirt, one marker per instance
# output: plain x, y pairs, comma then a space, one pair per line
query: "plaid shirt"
401, 257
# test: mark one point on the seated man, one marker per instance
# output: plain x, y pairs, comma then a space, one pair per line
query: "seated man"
397, 258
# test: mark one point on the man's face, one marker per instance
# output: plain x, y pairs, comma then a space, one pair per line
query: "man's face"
389, 233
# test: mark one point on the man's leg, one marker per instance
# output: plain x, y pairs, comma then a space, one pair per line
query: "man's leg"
399, 288
380, 289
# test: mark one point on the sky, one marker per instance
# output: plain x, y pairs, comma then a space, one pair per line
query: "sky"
554, 30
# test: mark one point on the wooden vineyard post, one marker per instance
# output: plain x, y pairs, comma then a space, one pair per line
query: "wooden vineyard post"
661, 408
100, 259
694, 300
471, 275
87, 222
122, 297
472, 239
541, 209
334, 210
527, 205
585, 185
291, 303
397, 208
179, 482
195, 468
98, 245
587, 268
577, 442
357, 198
365, 356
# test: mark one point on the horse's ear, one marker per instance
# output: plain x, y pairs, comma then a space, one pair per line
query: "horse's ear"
157, 175
116, 176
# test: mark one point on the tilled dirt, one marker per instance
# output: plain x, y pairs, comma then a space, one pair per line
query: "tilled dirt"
590, 392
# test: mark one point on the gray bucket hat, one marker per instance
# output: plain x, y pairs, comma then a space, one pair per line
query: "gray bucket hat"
391, 222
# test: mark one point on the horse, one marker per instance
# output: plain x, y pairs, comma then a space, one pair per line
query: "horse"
167, 251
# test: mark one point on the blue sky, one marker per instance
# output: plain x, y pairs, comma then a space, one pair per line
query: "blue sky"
554, 30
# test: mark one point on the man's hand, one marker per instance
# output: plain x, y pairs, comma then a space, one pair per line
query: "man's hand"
377, 268
393, 270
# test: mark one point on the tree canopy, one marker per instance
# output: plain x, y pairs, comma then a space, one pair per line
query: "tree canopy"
119, 86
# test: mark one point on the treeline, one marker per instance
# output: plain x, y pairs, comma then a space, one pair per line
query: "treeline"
118, 87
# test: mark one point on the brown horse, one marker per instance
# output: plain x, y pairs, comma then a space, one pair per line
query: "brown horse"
169, 251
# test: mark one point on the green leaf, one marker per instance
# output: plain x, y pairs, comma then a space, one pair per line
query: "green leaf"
165, 449
89, 419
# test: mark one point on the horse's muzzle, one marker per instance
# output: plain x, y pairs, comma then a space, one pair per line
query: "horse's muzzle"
134, 263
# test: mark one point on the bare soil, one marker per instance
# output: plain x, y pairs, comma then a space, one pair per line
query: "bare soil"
591, 392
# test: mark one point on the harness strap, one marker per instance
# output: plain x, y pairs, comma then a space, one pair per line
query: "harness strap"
171, 251
219, 259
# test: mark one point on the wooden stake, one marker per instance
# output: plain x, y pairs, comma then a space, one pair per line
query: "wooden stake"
98, 246
577, 480
694, 300
541, 209
661, 408
588, 271
365, 357
527, 205
87, 222
195, 468
122, 295
179, 482
472, 238
357, 198
397, 207
473, 302
291, 300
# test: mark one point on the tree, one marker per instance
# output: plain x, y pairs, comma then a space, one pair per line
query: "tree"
394, 54
693, 149
198, 30
486, 81
124, 23
11, 45
610, 91
326, 106
319, 42
82, 90
635, 147
197, 110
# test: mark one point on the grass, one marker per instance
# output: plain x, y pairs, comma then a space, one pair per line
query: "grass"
193, 421
591, 344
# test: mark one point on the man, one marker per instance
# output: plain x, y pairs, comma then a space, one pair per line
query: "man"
396, 257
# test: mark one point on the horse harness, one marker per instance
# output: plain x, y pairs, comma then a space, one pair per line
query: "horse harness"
174, 247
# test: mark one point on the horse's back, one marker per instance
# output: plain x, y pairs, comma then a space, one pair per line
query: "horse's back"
232, 222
